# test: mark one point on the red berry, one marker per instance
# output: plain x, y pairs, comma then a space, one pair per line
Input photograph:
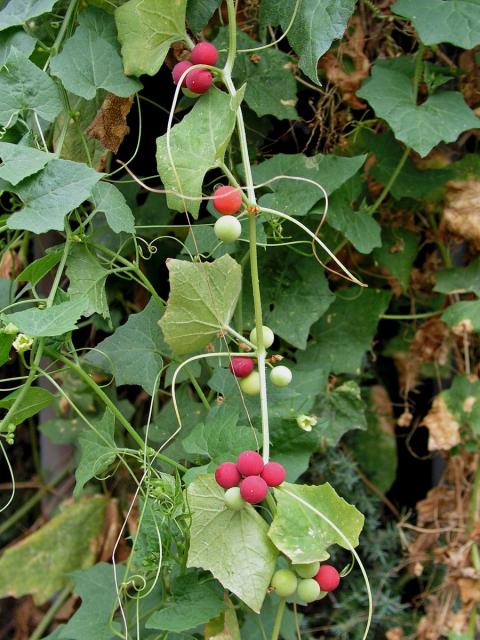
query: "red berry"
250, 463
273, 473
204, 53
227, 475
253, 489
328, 577
241, 366
227, 200
177, 71
199, 80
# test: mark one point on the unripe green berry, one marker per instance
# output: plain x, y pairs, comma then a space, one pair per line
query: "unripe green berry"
268, 336
189, 94
307, 569
308, 590
280, 376
250, 385
228, 229
284, 582
233, 499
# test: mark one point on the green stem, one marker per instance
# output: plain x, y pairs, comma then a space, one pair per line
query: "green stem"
198, 389
386, 189
60, 268
51, 613
413, 316
35, 499
63, 29
278, 619
252, 229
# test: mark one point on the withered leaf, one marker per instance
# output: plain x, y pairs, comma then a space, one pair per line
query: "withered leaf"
109, 126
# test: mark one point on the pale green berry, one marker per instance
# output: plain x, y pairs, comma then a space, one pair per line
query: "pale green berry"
228, 229
284, 582
250, 385
280, 376
308, 590
306, 570
268, 336
233, 499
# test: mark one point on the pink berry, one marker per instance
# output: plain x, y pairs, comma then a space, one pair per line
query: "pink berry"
227, 200
253, 489
273, 473
204, 53
199, 80
250, 463
177, 71
241, 366
227, 475
328, 577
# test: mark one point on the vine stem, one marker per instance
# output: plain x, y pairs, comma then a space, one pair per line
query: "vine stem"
252, 229
51, 613
278, 619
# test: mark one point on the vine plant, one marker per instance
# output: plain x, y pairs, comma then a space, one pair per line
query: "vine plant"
214, 538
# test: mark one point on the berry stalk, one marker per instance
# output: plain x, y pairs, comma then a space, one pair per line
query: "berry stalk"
252, 229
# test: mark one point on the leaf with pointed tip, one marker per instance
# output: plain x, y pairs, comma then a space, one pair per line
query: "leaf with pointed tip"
442, 117
202, 299
87, 281
197, 144
111, 201
199, 13
14, 37
25, 87
139, 340
146, 29
90, 60
301, 534
466, 312
97, 451
51, 194
40, 563
17, 13
35, 400
316, 25
19, 162
44, 323
436, 21
39, 268
459, 279
233, 545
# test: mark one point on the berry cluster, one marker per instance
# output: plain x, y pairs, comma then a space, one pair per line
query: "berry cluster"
309, 581
197, 81
253, 476
243, 367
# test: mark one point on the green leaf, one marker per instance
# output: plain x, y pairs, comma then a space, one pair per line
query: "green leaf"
390, 92
110, 200
97, 451
342, 410
233, 545
271, 86
14, 37
97, 589
225, 626
397, 253
139, 340
197, 144
193, 603
43, 323
360, 228
90, 59
297, 197
51, 194
317, 24
292, 446
39, 268
220, 438
345, 333
199, 13
35, 400
202, 300
455, 21
466, 312
6, 342
25, 87
459, 279
39, 564
19, 162
146, 29
300, 533
16, 13
295, 292
462, 400
87, 281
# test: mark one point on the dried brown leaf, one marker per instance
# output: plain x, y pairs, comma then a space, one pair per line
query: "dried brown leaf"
444, 430
109, 126
461, 210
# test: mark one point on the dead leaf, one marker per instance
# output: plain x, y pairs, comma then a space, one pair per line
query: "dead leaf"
109, 126
461, 213
444, 430
431, 343
10, 265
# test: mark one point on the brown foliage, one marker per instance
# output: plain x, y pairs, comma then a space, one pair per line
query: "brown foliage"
109, 126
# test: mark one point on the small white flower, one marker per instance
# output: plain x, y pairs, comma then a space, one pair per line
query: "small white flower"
22, 343
306, 422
